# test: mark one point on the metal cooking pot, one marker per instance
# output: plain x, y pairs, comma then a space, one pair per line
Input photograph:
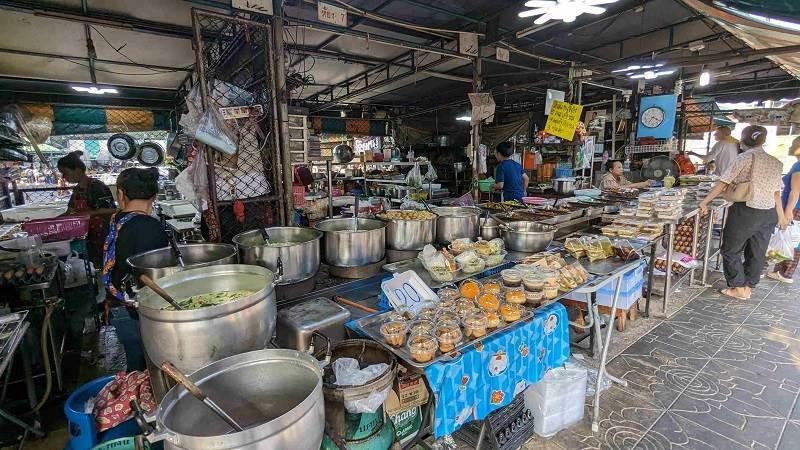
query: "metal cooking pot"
349, 246
409, 234
456, 222
528, 237
564, 186
490, 228
299, 251
190, 339
276, 395
162, 262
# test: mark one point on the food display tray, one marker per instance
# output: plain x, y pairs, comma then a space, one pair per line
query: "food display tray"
416, 265
371, 326
607, 266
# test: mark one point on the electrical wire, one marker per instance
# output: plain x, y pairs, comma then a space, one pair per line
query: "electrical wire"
118, 50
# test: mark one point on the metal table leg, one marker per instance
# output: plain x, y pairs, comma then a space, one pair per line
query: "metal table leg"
709, 235
695, 237
604, 357
668, 271
651, 265
481, 436
721, 233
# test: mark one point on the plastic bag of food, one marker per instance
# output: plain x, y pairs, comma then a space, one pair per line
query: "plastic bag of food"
213, 132
414, 177
780, 246
794, 230
470, 262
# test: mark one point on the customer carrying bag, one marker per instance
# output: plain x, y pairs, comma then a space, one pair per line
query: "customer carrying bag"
741, 192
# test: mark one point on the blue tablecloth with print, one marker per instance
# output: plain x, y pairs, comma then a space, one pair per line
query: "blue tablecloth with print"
490, 374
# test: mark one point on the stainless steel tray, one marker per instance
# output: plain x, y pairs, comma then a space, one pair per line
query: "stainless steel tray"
371, 326
416, 265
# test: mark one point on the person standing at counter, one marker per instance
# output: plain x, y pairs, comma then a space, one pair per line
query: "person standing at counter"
724, 151
509, 175
615, 177
790, 200
133, 230
89, 196
751, 222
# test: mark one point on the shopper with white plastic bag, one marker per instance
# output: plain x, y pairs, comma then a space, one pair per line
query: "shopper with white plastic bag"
784, 270
753, 184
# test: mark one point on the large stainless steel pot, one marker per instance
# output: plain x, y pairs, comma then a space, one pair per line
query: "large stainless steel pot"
490, 228
298, 249
162, 262
528, 237
190, 339
349, 246
409, 234
564, 186
276, 395
456, 222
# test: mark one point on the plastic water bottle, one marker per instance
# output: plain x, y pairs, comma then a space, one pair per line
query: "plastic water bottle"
627, 165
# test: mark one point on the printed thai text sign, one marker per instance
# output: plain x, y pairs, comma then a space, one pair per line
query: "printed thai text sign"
332, 14
563, 119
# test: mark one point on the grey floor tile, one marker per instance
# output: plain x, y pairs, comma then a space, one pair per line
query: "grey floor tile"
773, 317
716, 308
790, 440
620, 426
674, 432
769, 355
656, 378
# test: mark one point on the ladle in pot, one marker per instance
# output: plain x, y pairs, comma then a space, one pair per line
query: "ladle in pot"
173, 242
147, 281
264, 235
173, 372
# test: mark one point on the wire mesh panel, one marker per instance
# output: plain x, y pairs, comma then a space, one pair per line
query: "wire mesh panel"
235, 77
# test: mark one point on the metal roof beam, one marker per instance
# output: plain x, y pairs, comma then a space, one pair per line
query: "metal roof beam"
102, 61
105, 19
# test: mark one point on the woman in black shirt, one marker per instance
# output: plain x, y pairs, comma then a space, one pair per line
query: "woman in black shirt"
89, 197
133, 230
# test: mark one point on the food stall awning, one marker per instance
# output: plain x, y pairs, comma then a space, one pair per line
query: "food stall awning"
90, 120
760, 24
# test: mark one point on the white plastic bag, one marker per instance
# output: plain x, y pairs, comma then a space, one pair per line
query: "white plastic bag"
794, 230
349, 373
431, 174
414, 177
74, 271
213, 132
780, 246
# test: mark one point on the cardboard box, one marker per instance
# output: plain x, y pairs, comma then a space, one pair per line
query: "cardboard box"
408, 391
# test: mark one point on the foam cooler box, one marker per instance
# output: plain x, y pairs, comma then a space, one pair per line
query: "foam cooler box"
630, 291
557, 400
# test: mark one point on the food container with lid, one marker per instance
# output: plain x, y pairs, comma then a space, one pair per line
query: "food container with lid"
488, 302
492, 287
448, 293
475, 325
428, 310
449, 336
511, 277
394, 333
493, 319
448, 304
511, 312
551, 292
297, 323
533, 281
470, 289
421, 327
516, 296
422, 347
448, 317
534, 297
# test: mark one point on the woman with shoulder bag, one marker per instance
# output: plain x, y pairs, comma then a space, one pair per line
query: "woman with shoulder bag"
753, 184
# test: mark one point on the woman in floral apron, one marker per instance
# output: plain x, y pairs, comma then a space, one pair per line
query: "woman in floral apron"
89, 196
132, 230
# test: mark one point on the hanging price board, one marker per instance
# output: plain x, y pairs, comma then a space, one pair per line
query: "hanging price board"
563, 119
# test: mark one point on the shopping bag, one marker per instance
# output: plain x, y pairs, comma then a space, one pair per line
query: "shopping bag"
794, 230
780, 246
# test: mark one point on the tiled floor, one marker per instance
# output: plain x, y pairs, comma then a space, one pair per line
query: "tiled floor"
718, 374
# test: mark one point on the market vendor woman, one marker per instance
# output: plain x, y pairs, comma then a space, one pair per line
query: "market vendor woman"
89, 196
509, 175
133, 230
615, 177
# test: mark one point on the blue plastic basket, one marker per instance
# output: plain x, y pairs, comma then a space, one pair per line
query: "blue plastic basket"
563, 172
82, 430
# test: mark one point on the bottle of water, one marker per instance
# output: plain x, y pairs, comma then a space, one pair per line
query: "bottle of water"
627, 165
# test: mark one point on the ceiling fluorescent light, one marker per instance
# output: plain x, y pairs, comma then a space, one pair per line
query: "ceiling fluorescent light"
564, 10
94, 90
464, 118
705, 78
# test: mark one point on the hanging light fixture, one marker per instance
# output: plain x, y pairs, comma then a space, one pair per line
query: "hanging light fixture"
565, 10
705, 78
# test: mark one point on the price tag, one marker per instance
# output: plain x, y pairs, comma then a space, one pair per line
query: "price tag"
332, 14
407, 290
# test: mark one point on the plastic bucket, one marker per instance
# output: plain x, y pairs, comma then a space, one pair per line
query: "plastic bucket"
82, 429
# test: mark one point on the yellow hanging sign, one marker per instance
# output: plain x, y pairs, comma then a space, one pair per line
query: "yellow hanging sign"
563, 119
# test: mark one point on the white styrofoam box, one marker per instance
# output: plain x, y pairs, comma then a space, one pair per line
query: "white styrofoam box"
557, 400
